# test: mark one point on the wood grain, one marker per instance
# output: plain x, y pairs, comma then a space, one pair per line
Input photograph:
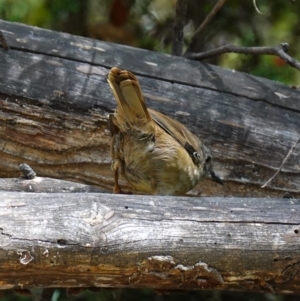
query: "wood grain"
104, 240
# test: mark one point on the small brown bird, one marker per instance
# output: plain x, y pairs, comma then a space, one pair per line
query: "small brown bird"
155, 154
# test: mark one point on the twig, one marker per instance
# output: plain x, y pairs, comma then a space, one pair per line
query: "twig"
256, 8
283, 162
206, 21
3, 41
279, 50
180, 16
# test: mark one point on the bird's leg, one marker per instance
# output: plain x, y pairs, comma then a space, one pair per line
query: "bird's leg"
115, 166
117, 189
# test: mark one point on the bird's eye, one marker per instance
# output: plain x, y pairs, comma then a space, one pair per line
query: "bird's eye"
197, 157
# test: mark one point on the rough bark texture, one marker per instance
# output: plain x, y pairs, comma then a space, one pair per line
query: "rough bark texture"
105, 240
54, 101
49, 185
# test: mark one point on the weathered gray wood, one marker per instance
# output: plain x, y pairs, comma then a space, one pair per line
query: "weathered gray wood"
104, 240
54, 102
147, 63
40, 184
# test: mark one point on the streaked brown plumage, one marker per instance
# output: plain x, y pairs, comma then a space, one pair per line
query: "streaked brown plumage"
155, 154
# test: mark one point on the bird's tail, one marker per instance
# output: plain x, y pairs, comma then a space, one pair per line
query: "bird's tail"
131, 106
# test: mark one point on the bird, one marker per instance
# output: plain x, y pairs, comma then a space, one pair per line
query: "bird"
156, 154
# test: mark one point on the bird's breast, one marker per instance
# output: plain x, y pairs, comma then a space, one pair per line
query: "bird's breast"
159, 165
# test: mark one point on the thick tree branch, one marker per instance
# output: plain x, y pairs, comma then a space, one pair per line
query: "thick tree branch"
279, 50
177, 43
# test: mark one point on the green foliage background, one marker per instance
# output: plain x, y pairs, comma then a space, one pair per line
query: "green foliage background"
150, 23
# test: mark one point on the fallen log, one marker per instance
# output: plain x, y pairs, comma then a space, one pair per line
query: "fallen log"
170, 243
